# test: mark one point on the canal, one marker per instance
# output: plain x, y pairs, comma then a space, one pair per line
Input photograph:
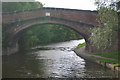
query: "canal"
54, 60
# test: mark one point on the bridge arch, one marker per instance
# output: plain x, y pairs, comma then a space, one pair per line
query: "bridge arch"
82, 28
17, 22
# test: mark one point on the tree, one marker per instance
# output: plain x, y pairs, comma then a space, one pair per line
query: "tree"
46, 33
105, 35
20, 6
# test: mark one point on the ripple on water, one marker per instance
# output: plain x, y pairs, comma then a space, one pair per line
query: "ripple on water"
60, 61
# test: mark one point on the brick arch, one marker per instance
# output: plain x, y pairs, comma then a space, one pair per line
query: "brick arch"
82, 28
79, 20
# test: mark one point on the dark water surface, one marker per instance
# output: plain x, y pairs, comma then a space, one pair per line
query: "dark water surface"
60, 61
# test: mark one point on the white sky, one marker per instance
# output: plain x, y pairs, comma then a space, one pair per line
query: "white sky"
71, 4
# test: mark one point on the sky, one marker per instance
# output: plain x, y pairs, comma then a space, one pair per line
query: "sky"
70, 4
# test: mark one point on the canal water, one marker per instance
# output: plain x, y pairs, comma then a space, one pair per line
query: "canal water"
55, 60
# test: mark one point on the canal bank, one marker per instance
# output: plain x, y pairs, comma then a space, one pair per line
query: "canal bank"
82, 53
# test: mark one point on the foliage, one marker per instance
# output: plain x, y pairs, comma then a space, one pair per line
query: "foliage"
105, 34
80, 45
116, 65
45, 34
29, 40
20, 6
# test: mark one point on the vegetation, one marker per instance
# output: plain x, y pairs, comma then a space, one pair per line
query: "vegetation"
80, 45
46, 34
20, 6
106, 60
113, 54
106, 34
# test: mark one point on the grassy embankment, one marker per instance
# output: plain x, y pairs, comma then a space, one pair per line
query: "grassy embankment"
80, 45
113, 56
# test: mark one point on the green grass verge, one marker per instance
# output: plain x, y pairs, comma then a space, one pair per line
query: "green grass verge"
80, 45
106, 60
113, 54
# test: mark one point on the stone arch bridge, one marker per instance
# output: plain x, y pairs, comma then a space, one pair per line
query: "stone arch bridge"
15, 23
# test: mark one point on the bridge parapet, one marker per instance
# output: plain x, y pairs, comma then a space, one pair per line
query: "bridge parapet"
85, 16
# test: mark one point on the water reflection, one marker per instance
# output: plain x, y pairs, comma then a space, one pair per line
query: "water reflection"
62, 64
59, 62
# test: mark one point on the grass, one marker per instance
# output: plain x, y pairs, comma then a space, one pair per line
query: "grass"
106, 60
80, 45
113, 54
